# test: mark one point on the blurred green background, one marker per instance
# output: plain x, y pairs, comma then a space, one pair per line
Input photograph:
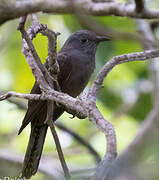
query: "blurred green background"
122, 100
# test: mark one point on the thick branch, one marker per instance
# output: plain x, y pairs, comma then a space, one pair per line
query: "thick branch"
108, 129
11, 10
40, 72
53, 95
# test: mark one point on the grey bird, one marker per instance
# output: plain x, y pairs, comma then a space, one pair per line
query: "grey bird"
76, 62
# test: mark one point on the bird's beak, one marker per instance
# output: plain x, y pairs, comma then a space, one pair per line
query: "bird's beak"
102, 38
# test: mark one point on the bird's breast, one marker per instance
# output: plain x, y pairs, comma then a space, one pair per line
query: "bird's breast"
78, 79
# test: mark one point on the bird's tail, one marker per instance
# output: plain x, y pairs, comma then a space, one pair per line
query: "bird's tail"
34, 150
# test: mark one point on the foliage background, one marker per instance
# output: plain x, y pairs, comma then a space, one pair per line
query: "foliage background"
121, 89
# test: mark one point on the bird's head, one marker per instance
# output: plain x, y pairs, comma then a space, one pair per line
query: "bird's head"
85, 41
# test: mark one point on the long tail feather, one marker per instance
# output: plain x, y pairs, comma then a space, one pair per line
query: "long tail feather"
34, 151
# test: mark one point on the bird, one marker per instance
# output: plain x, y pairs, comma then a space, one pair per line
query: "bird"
76, 61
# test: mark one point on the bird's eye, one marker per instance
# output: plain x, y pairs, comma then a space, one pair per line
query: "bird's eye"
84, 41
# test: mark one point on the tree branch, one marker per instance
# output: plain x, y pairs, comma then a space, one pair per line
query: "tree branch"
77, 137
11, 10
137, 56
59, 150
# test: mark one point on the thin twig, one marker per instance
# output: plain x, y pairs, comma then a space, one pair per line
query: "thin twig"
22, 21
137, 56
59, 150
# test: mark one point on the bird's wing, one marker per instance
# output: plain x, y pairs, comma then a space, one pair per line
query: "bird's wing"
65, 64
37, 109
